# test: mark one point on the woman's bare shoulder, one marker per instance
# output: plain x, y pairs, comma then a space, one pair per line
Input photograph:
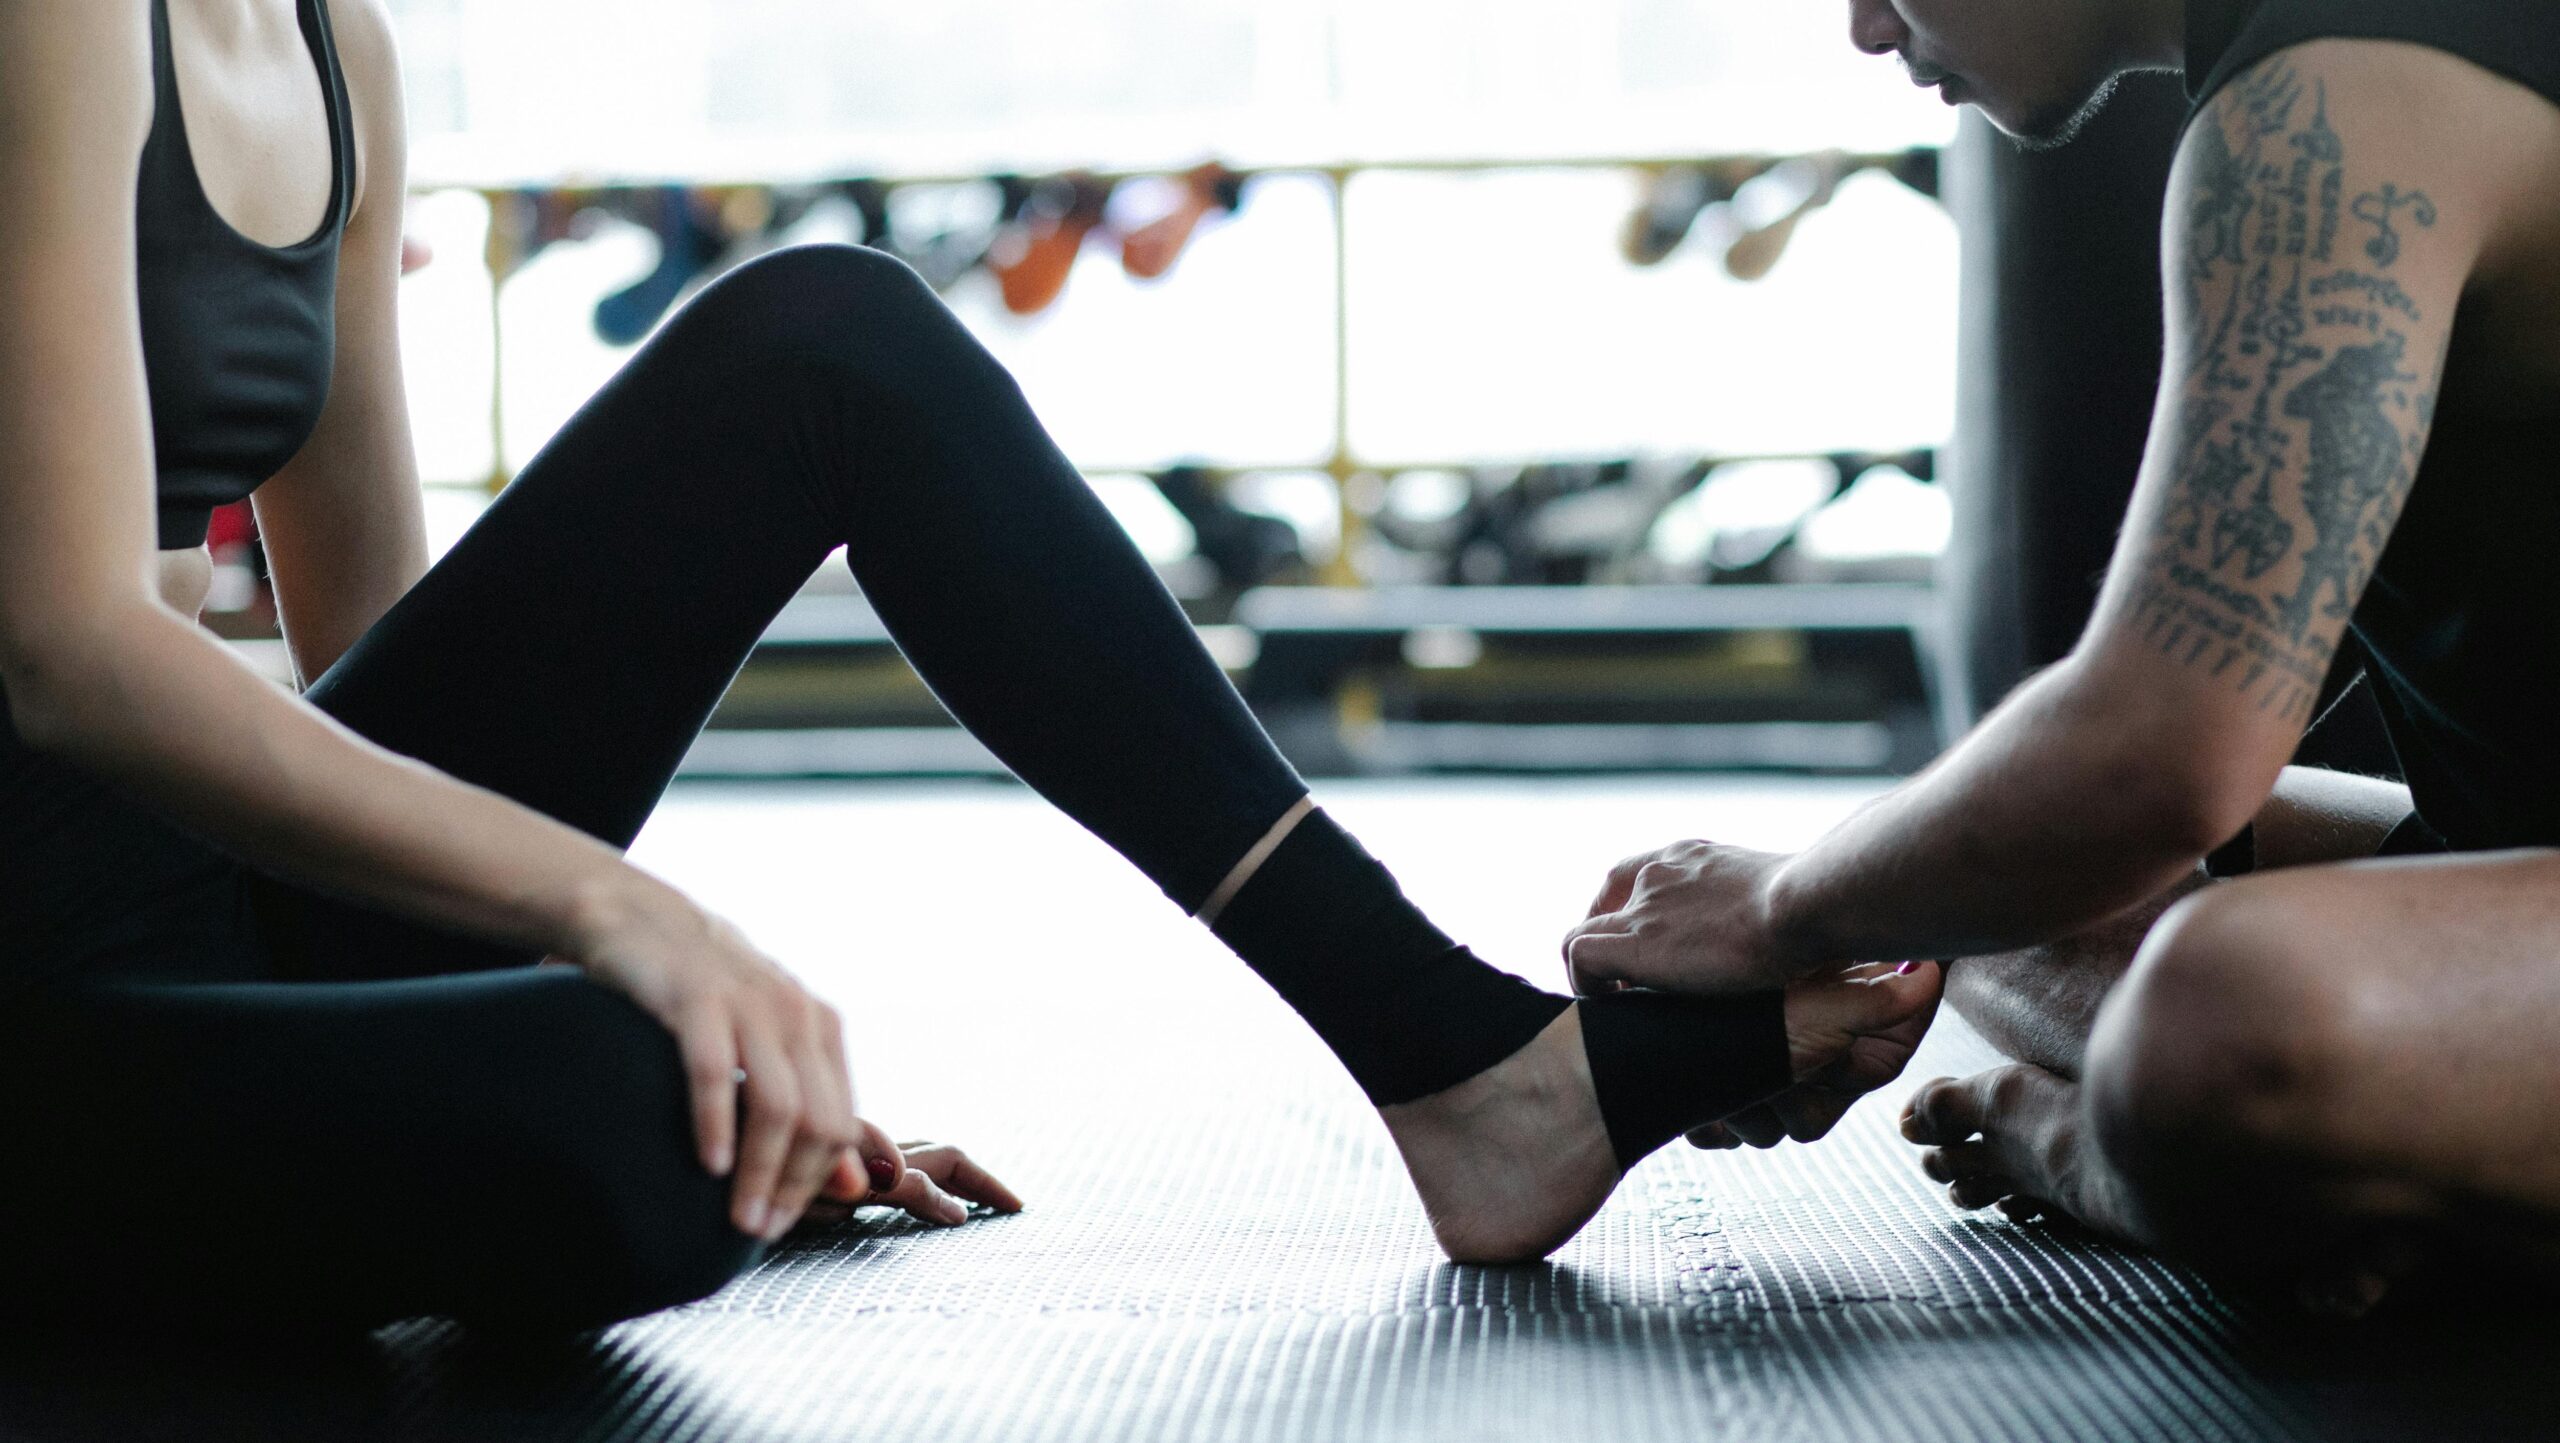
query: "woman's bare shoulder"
369, 53
75, 86
364, 32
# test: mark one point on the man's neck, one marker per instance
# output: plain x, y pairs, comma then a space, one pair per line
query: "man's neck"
2150, 34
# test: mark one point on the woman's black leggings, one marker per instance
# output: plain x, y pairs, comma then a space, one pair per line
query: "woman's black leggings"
234, 1099
230, 1097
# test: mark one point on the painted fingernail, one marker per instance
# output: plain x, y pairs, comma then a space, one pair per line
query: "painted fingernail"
884, 1173
753, 1221
1906, 969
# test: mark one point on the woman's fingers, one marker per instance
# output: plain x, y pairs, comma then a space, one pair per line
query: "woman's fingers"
813, 1157
921, 1198
941, 1181
883, 1163
814, 1150
827, 1128
935, 1185
866, 1171
954, 1172
839, 1070
847, 1181
710, 1047
772, 1125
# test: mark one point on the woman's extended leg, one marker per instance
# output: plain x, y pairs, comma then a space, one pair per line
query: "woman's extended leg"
569, 649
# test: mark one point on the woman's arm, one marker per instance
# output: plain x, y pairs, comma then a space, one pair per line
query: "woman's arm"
2327, 216
98, 672
342, 522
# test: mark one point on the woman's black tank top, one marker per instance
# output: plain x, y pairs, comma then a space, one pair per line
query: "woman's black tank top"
238, 338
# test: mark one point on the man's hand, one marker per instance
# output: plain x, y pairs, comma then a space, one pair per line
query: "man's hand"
1688, 918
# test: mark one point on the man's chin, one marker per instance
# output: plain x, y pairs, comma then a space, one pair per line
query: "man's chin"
2054, 126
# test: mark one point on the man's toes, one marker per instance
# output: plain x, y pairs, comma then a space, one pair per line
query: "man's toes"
2358, 1277
1958, 1160
2344, 1297
2020, 1208
1980, 1191
1942, 1112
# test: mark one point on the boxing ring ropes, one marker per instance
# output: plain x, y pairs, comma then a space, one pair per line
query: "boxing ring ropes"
1342, 610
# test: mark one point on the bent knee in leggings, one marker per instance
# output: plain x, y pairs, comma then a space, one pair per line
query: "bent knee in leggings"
512, 1149
621, 1217
848, 314
824, 300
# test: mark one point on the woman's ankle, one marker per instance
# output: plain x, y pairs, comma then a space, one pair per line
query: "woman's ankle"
1407, 1010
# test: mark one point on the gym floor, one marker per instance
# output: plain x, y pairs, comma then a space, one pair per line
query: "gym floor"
1220, 1244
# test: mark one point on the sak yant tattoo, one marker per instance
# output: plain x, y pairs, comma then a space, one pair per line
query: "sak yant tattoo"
2305, 418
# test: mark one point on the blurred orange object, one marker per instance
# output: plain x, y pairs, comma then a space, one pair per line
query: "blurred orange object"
1033, 259
1150, 251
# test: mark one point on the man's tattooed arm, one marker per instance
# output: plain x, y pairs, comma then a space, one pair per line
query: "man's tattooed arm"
2328, 213
2303, 373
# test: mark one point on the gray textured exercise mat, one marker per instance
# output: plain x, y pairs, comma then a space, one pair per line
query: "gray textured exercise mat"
1221, 1246
1227, 1268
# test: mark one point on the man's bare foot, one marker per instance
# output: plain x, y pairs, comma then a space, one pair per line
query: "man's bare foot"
1512, 1162
2017, 1138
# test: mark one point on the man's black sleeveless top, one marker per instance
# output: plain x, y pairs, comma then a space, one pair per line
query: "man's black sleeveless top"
2461, 626
237, 338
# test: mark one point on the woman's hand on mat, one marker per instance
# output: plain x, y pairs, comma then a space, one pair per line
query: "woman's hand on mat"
1690, 917
939, 1184
764, 1060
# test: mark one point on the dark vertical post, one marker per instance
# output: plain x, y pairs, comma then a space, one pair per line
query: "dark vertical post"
2058, 366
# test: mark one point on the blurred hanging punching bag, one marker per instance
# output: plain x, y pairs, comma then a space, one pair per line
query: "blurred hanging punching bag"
2058, 362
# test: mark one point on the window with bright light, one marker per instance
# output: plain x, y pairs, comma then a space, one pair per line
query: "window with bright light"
1490, 316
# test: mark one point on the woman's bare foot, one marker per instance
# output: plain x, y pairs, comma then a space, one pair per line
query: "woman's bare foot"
1512, 1162
2017, 1137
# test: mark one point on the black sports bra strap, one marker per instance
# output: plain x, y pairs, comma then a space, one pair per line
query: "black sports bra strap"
342, 130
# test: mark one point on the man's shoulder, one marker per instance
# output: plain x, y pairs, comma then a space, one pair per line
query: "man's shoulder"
2517, 41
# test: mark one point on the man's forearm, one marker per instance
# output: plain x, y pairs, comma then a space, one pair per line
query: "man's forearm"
2057, 814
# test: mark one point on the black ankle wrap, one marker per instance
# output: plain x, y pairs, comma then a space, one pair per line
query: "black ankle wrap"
1663, 1063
